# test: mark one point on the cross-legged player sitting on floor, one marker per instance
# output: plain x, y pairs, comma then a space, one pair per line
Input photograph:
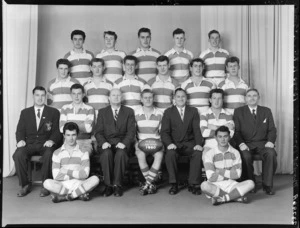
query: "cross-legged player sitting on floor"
148, 121
70, 169
223, 165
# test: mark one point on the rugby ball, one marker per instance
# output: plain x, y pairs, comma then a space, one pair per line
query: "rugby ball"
150, 145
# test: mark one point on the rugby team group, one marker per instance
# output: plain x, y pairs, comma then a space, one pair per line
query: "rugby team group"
109, 103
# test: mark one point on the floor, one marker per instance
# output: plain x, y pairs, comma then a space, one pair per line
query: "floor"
160, 208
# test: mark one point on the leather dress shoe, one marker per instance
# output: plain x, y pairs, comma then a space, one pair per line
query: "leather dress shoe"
44, 192
84, 197
196, 190
60, 198
174, 189
24, 191
253, 190
118, 191
243, 199
108, 191
268, 190
190, 188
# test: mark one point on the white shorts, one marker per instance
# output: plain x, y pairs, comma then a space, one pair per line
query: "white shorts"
72, 184
226, 185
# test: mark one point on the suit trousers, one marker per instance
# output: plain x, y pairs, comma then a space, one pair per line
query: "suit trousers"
186, 149
269, 159
114, 162
22, 156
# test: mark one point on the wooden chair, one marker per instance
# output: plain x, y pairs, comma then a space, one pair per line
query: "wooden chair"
32, 165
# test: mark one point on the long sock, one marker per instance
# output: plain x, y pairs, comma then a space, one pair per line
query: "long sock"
63, 191
145, 172
220, 193
151, 175
234, 194
78, 191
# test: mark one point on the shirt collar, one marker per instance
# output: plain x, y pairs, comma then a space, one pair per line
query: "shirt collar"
135, 77
157, 79
106, 50
41, 109
141, 49
63, 148
227, 81
140, 111
66, 80
82, 105
228, 150
173, 51
113, 110
255, 108
91, 79
73, 52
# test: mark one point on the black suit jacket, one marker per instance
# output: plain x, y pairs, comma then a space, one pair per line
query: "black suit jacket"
174, 130
48, 128
254, 133
108, 130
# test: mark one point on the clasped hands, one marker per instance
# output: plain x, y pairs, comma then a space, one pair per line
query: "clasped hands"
172, 146
48, 143
107, 145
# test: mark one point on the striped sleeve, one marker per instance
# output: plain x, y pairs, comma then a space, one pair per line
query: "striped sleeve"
235, 171
91, 119
212, 173
63, 118
206, 132
84, 170
56, 167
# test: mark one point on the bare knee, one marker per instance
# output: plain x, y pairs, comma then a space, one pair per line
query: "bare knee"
48, 184
95, 179
205, 186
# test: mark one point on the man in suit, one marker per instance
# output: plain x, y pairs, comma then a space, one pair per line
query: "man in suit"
181, 135
115, 134
255, 132
37, 133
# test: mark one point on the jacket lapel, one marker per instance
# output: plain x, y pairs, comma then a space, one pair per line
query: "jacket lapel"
249, 116
33, 117
259, 116
110, 115
43, 117
177, 115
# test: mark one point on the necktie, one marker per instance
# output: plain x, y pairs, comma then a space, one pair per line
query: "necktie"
181, 113
38, 113
116, 114
253, 113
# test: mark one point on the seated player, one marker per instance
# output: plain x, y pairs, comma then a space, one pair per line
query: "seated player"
80, 113
163, 86
98, 87
179, 57
213, 118
214, 58
70, 169
146, 56
197, 87
130, 85
148, 121
59, 88
234, 86
79, 57
112, 57
223, 165
181, 136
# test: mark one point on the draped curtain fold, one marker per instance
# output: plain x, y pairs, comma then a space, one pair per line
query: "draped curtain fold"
261, 36
19, 71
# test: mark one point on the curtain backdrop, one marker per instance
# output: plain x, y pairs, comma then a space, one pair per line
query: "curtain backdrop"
19, 71
261, 36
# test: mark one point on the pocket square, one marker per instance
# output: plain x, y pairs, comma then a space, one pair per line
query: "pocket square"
44, 117
265, 120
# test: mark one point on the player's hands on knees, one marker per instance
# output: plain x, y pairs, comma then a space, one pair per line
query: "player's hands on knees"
269, 144
243, 146
21, 143
48, 143
120, 145
105, 145
172, 146
198, 147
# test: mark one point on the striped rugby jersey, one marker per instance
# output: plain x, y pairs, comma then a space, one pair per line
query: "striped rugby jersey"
163, 92
113, 64
146, 63
221, 166
179, 64
59, 92
234, 95
98, 96
77, 165
148, 128
80, 64
214, 62
85, 112
131, 90
198, 95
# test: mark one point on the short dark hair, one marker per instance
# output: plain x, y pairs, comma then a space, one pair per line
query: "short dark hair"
78, 32
252, 89
179, 89
97, 60
178, 31
39, 88
77, 86
162, 58
130, 57
146, 91
222, 129
216, 91
71, 126
197, 60
63, 61
144, 30
213, 31
111, 33
232, 60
